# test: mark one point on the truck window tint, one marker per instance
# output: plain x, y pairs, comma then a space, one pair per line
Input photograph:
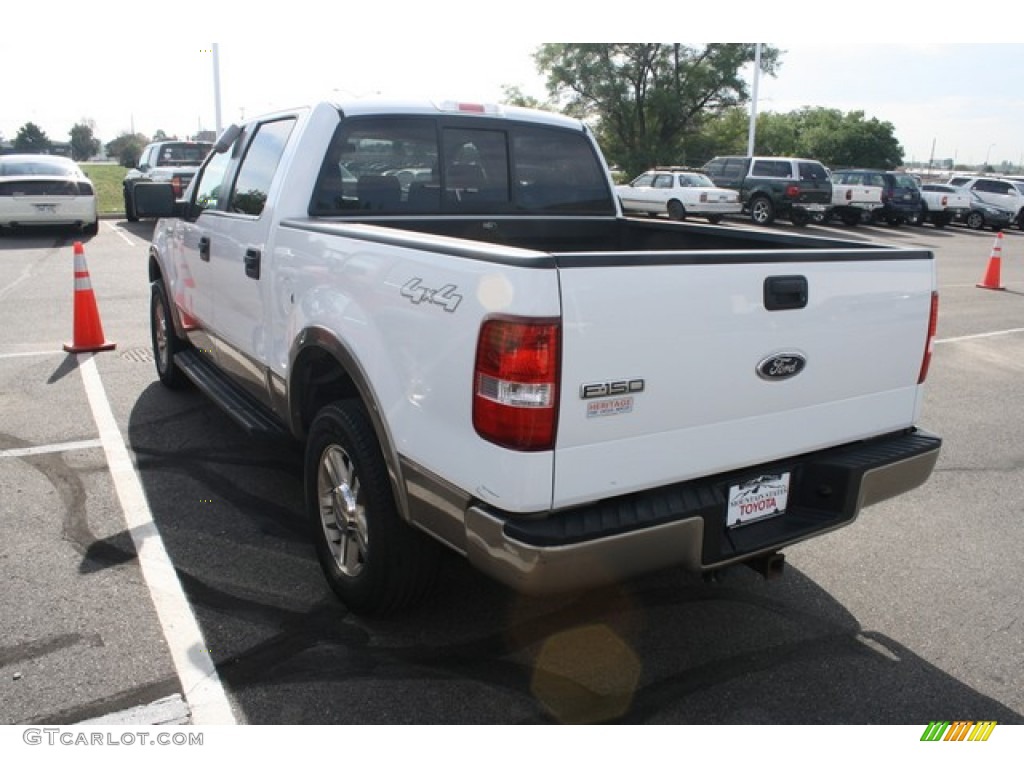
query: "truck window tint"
258, 167
557, 171
475, 169
379, 166
211, 181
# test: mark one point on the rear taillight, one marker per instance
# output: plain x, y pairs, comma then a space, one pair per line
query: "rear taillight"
933, 323
85, 189
793, 191
176, 185
515, 382
945, 201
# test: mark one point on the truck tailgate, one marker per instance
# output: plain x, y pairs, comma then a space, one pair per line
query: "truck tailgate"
680, 367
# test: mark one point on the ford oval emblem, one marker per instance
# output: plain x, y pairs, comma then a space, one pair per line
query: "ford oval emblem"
781, 366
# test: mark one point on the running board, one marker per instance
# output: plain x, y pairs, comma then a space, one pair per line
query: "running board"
251, 415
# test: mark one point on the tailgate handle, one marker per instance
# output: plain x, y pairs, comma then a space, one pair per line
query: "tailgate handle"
252, 263
785, 292
204, 248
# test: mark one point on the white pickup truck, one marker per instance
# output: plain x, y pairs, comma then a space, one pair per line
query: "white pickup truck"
492, 358
943, 203
853, 203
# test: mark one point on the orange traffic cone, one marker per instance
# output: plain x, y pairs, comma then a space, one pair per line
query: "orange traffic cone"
88, 331
991, 279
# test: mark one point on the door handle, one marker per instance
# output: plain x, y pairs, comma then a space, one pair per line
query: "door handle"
252, 263
204, 248
785, 292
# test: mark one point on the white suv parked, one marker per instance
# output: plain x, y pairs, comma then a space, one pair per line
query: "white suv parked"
1002, 193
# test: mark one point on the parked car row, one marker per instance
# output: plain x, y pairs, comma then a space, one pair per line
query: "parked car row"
801, 190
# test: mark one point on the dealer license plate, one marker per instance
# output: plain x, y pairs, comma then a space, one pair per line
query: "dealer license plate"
46, 207
758, 498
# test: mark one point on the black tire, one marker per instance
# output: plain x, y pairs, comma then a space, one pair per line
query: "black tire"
762, 210
716, 219
129, 209
166, 343
939, 220
91, 229
375, 562
975, 220
799, 217
851, 218
676, 211
894, 221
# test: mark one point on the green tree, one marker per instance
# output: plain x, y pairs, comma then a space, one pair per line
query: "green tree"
31, 139
127, 148
83, 143
647, 101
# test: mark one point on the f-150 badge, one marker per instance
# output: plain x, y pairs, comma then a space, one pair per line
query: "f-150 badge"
444, 297
781, 366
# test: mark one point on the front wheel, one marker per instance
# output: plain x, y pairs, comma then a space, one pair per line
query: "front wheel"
373, 560
166, 343
975, 220
762, 211
716, 219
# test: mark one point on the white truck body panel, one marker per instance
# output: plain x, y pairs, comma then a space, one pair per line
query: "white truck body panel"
696, 341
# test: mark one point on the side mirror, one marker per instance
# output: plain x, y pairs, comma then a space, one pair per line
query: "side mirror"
226, 139
156, 200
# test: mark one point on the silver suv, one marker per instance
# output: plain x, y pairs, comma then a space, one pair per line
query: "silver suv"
1001, 193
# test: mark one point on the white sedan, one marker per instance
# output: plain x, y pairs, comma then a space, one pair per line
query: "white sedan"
678, 193
46, 190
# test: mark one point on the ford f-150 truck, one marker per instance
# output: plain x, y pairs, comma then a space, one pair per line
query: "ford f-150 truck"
492, 358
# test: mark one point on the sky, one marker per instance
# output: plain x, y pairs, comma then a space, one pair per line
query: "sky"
124, 68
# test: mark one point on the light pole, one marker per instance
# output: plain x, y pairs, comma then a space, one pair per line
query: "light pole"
987, 151
753, 99
216, 85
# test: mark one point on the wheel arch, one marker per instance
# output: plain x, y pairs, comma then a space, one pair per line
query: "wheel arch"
322, 369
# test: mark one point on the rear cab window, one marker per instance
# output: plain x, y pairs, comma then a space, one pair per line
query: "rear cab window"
425, 165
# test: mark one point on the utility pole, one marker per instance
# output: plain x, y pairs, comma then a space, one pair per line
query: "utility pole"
216, 85
753, 99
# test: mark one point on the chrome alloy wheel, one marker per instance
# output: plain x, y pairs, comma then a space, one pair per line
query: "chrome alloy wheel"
342, 512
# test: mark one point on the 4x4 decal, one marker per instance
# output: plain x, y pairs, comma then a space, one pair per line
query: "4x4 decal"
445, 296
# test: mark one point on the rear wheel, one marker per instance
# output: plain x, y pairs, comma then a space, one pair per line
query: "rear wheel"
372, 559
714, 219
762, 211
676, 211
851, 218
799, 217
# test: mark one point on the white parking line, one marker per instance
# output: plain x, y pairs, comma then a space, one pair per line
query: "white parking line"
199, 679
973, 336
121, 234
78, 445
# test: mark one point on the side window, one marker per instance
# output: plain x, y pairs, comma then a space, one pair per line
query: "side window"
643, 180
557, 171
812, 172
210, 184
258, 167
663, 181
733, 169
